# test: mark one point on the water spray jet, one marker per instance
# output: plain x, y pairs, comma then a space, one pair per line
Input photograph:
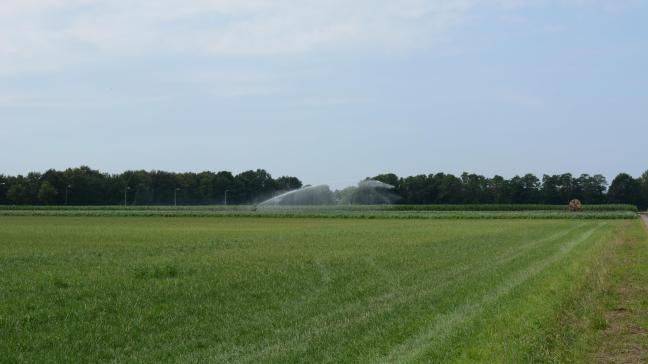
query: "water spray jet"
367, 192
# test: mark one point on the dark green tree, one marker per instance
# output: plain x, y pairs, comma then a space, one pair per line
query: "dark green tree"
47, 193
625, 189
643, 184
388, 178
286, 183
551, 190
4, 186
592, 188
19, 191
500, 189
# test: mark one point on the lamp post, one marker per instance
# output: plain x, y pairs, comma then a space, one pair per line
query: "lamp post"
67, 187
226, 191
175, 196
126, 194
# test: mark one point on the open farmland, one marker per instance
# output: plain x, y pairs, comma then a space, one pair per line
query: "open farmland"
256, 289
482, 211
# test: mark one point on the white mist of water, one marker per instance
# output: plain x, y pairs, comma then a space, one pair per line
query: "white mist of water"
367, 192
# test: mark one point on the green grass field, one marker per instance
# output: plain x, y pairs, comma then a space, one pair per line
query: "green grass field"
288, 290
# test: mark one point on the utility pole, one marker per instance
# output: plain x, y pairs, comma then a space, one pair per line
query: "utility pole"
175, 196
226, 191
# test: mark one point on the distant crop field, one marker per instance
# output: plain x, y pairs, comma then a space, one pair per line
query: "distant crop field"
337, 211
385, 207
286, 290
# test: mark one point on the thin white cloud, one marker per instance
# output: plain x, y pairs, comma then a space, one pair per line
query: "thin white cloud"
50, 33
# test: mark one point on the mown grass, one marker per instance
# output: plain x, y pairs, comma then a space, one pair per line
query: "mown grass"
91, 289
624, 300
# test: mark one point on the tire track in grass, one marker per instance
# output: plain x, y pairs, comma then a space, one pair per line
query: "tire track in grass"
350, 314
321, 324
445, 324
451, 271
513, 252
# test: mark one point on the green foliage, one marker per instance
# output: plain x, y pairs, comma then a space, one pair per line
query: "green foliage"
86, 186
475, 189
47, 193
288, 183
643, 182
625, 189
19, 191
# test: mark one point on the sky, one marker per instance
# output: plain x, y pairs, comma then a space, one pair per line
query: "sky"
330, 91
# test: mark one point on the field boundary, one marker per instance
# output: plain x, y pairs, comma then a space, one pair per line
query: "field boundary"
341, 214
623, 340
348, 208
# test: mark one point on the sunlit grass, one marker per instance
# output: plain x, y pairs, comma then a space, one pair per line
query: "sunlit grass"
286, 290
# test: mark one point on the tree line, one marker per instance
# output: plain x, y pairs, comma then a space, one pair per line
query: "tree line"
86, 186
470, 188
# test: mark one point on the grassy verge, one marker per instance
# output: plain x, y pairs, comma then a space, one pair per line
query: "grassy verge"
625, 336
605, 316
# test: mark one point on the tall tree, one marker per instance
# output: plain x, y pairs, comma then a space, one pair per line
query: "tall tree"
551, 189
19, 191
592, 188
286, 183
388, 178
643, 183
625, 189
4, 186
500, 189
47, 193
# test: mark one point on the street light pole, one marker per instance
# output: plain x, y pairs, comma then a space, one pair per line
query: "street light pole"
67, 187
175, 196
226, 191
126, 195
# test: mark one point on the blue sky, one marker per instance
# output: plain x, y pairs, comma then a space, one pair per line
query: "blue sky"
328, 91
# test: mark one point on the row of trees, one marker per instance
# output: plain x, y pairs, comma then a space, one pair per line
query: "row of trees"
443, 188
85, 186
